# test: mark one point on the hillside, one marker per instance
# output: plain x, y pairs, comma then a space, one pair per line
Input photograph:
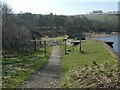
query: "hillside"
101, 17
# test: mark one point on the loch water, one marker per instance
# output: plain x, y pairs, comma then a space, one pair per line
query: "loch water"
112, 38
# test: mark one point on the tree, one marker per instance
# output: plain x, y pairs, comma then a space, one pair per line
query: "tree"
6, 12
15, 37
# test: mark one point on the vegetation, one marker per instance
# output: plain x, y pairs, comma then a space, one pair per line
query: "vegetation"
105, 22
19, 29
18, 69
27, 26
55, 25
95, 76
102, 18
91, 51
15, 37
58, 38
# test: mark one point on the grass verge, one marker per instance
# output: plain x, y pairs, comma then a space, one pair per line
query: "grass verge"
16, 70
91, 51
58, 38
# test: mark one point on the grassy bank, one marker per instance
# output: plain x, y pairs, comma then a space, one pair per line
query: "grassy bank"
91, 51
58, 38
17, 69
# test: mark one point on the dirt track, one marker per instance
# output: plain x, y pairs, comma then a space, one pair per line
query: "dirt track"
49, 76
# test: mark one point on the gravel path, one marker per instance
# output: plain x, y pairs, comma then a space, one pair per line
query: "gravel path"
49, 76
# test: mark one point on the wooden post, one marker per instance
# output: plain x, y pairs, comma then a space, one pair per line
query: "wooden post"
65, 46
45, 48
80, 44
17, 44
35, 44
40, 43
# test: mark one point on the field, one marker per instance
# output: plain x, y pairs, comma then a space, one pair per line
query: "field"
58, 38
91, 51
17, 69
103, 17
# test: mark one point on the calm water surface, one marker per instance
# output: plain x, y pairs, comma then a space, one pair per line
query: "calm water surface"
112, 38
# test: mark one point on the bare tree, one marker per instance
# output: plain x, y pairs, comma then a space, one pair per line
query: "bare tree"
15, 38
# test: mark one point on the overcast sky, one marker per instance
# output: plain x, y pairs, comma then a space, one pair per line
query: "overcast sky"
65, 7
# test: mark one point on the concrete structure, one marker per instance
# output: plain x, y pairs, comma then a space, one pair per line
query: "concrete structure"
71, 42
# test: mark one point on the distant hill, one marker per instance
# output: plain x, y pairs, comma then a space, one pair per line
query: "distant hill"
101, 17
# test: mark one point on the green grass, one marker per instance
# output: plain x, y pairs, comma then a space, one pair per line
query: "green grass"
16, 70
91, 51
58, 38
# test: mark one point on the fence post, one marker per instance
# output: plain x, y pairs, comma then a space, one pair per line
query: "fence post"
17, 45
35, 44
80, 44
40, 43
45, 48
65, 46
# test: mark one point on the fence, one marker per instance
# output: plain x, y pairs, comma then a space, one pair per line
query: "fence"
24, 47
